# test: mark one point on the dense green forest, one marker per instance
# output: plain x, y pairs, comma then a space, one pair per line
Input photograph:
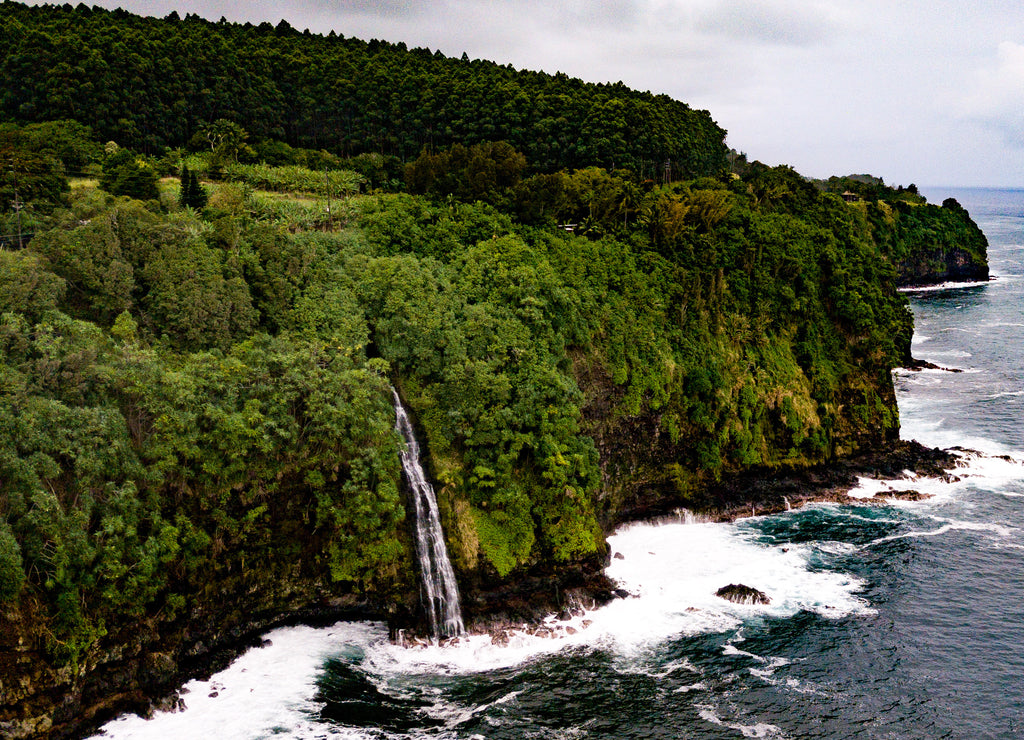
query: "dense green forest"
200, 323
927, 244
189, 391
149, 83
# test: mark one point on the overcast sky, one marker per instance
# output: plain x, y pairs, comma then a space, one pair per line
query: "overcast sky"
924, 91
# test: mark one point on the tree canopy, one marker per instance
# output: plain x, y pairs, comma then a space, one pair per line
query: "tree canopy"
151, 83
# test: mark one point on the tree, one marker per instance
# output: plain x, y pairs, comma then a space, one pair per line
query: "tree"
479, 172
125, 173
11, 574
35, 175
226, 139
192, 194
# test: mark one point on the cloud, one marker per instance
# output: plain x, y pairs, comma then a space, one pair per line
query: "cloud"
917, 90
997, 100
781, 23
386, 8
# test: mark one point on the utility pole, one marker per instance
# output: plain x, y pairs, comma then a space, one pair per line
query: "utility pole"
17, 209
327, 184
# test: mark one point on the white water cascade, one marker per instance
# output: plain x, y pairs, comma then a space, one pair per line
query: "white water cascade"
440, 592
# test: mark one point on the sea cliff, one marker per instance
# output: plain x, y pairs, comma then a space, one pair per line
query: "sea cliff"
197, 431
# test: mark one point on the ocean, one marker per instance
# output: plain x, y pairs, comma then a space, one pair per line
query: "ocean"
899, 619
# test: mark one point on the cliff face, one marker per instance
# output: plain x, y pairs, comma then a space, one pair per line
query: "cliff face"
145, 660
929, 244
942, 265
646, 471
165, 496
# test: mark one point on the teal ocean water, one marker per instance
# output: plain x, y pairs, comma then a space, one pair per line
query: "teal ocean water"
901, 620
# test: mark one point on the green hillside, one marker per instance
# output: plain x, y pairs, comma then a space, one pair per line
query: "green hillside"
206, 296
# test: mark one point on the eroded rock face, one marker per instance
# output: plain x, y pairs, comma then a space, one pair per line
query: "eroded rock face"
932, 267
740, 594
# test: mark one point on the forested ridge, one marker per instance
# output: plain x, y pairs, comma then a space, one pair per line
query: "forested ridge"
148, 83
198, 336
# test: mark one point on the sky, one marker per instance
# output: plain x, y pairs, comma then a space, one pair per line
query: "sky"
922, 91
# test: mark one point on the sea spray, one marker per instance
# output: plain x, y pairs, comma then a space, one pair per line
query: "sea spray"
672, 571
439, 590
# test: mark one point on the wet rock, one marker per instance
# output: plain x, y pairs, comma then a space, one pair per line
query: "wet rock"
903, 495
171, 703
740, 594
919, 365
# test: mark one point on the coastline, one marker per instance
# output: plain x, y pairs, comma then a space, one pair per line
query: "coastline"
533, 599
144, 672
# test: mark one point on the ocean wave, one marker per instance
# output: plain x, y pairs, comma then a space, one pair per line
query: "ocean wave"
754, 730
1004, 394
263, 691
950, 525
948, 286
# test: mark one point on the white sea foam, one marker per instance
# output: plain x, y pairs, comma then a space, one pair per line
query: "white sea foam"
672, 570
675, 571
937, 490
870, 487
948, 286
1000, 474
266, 690
699, 686
831, 547
756, 730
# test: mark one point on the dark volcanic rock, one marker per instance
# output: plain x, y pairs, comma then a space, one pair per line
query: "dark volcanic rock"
903, 495
771, 491
918, 365
534, 595
740, 594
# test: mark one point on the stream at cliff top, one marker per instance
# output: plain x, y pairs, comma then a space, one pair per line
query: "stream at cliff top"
896, 621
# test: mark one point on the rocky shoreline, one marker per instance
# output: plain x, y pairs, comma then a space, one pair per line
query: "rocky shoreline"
157, 659
527, 606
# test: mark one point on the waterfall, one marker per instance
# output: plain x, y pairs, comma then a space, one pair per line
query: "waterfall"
439, 591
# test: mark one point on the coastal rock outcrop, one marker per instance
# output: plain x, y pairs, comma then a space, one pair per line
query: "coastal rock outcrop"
741, 594
932, 245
